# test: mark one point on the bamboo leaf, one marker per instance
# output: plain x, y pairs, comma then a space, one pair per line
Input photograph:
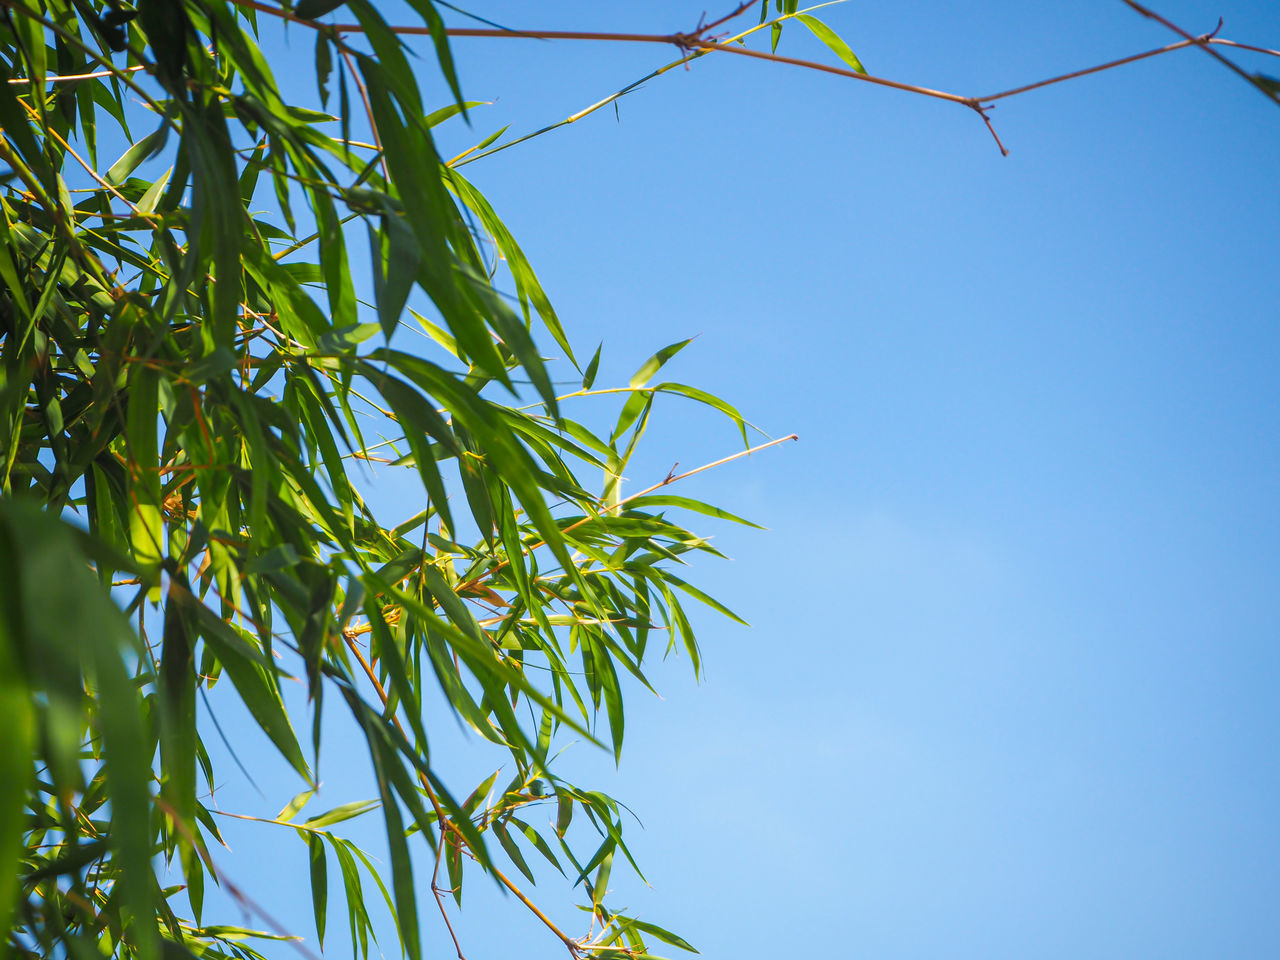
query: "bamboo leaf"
655, 363
687, 503
346, 811
509, 845
832, 40
319, 884
314, 9
258, 690
295, 805
666, 936
589, 377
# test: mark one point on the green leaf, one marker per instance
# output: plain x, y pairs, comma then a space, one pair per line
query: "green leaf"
698, 594
477, 796
145, 523
324, 67
132, 158
701, 396
258, 690
147, 203
386, 766
513, 851
589, 377
832, 40
296, 804
346, 811
654, 363
564, 813
539, 844
601, 885
403, 261
437, 117
666, 936
686, 503
15, 746
319, 883
59, 611
312, 9
528, 289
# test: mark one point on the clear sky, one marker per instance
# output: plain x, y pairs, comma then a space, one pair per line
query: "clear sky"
1010, 688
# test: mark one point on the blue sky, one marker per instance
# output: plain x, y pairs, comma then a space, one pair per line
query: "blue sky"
1009, 689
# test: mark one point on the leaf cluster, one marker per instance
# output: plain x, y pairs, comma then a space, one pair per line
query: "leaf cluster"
196, 369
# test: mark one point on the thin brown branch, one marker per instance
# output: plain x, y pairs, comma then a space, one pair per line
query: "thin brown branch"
982, 111
1201, 41
838, 71
672, 478
1086, 71
731, 15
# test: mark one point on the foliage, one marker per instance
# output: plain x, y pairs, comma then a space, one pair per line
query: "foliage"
186, 383
196, 370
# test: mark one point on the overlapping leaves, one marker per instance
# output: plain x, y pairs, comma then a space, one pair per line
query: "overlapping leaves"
192, 364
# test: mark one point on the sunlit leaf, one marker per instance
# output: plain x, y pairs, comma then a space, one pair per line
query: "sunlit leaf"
832, 40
